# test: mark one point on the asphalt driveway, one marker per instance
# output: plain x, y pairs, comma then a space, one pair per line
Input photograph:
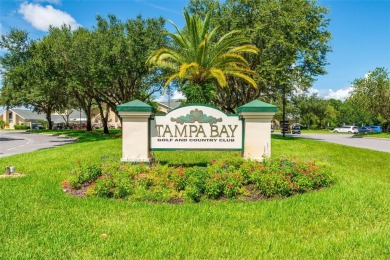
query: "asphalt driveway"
376, 144
15, 142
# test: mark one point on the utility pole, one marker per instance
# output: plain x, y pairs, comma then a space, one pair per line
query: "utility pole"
284, 110
169, 98
80, 119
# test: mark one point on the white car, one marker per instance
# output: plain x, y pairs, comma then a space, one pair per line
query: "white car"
346, 129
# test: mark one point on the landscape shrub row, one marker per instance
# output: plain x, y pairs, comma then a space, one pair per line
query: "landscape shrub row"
225, 178
21, 127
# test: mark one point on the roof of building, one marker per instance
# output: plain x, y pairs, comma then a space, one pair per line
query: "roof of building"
30, 115
172, 104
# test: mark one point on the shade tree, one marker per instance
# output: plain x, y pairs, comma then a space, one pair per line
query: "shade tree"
292, 37
371, 94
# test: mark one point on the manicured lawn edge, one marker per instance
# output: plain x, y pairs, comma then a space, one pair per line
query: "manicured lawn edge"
346, 220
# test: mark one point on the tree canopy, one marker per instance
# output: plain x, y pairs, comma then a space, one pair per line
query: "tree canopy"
371, 94
292, 37
101, 67
199, 56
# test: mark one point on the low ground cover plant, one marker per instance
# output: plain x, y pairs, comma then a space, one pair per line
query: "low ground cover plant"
226, 178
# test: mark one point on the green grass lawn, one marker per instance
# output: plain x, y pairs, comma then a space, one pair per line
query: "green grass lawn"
349, 220
313, 131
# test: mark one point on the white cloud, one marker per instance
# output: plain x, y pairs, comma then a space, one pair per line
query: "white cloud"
308, 92
175, 95
340, 94
312, 91
162, 98
41, 17
178, 95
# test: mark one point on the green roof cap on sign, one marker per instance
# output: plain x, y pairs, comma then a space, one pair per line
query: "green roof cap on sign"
257, 106
135, 105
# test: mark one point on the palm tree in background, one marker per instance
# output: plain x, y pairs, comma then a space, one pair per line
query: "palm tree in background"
200, 63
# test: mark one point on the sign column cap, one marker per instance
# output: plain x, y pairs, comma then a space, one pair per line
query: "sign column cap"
257, 106
135, 106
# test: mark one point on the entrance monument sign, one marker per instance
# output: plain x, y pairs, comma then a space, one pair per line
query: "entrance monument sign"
195, 127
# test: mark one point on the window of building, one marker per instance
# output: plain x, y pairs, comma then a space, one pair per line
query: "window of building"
10, 117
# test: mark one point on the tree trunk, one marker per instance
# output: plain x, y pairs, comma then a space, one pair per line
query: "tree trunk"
48, 118
86, 105
89, 121
104, 117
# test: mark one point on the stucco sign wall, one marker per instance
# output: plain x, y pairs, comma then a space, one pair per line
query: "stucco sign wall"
196, 127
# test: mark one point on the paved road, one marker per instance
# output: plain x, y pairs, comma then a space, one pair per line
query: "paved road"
348, 139
15, 142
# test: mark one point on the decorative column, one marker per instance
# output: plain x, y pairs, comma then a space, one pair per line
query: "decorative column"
257, 116
135, 130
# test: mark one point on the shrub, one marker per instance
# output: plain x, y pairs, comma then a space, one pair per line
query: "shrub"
215, 186
81, 173
272, 185
193, 193
179, 178
224, 178
21, 127
103, 187
197, 177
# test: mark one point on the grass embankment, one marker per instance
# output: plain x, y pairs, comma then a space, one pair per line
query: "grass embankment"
81, 135
309, 131
376, 135
348, 220
313, 131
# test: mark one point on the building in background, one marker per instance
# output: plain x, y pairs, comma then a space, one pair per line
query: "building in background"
72, 117
25, 117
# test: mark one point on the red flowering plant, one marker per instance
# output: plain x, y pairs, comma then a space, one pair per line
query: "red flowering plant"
230, 177
249, 168
215, 185
233, 186
272, 185
83, 173
284, 177
65, 185
103, 187
224, 184
225, 164
178, 178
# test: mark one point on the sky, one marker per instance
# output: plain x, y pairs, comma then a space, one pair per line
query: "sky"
360, 30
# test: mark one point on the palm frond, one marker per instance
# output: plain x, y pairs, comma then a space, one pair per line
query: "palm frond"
184, 68
248, 48
231, 58
197, 58
244, 77
170, 79
219, 75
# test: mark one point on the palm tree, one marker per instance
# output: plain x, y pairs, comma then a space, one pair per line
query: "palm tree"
199, 62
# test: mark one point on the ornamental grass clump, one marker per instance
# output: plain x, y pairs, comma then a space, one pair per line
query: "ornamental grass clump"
225, 178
